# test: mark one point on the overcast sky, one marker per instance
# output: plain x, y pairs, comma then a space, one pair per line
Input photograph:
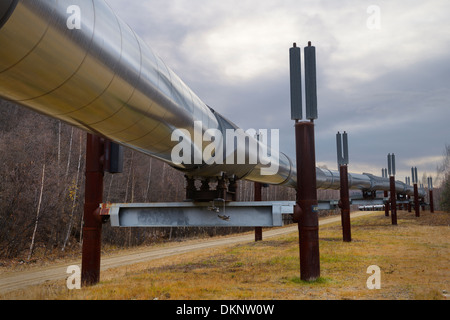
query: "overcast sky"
383, 69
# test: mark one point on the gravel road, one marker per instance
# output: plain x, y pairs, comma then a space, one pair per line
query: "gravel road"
22, 279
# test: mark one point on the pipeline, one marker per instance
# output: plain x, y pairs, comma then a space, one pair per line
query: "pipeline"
101, 77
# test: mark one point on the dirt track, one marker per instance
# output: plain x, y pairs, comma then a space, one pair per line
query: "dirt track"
19, 280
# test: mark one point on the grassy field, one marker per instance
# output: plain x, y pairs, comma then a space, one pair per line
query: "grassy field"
413, 257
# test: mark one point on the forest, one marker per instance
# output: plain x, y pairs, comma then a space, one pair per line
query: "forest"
42, 188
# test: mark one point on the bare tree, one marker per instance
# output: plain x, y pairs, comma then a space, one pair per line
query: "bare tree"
149, 178
37, 213
443, 168
69, 153
443, 178
73, 195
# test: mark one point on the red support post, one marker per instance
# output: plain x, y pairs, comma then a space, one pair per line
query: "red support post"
344, 204
306, 208
92, 229
431, 202
393, 201
258, 197
416, 200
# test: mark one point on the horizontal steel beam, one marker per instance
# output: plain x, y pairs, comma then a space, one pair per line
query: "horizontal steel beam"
213, 214
328, 204
188, 214
369, 202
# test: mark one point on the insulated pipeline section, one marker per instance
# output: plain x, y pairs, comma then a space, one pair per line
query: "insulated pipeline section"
330, 179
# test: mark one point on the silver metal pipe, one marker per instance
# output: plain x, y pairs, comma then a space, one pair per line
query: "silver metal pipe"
330, 179
99, 76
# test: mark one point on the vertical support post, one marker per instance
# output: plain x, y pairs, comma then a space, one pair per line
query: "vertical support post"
430, 190
92, 229
344, 203
416, 200
258, 197
308, 225
416, 192
431, 202
391, 171
393, 201
305, 211
386, 194
408, 196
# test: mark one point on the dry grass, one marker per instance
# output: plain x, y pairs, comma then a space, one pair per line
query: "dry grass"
413, 257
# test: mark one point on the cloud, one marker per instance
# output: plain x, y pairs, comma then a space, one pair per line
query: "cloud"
387, 87
420, 161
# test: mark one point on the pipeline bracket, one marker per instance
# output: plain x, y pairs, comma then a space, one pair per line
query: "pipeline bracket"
188, 214
225, 189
